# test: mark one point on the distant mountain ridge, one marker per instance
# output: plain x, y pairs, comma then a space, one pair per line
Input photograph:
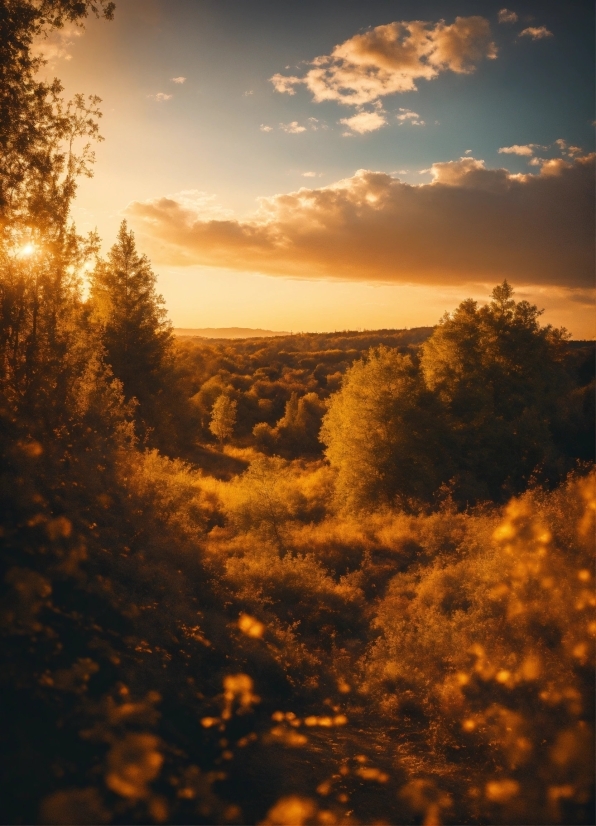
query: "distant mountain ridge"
228, 332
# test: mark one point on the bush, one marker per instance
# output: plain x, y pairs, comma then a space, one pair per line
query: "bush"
492, 645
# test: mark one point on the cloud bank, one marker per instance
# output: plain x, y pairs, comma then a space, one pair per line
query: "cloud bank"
470, 224
392, 58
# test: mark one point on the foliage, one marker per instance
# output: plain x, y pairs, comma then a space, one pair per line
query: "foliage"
262, 376
133, 327
44, 347
492, 646
296, 432
482, 411
383, 433
37, 130
223, 417
500, 377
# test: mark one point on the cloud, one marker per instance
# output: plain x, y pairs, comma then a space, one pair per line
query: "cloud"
201, 204
160, 96
293, 128
470, 224
178, 79
507, 16
516, 149
365, 121
309, 174
391, 58
536, 32
57, 44
564, 147
264, 128
407, 116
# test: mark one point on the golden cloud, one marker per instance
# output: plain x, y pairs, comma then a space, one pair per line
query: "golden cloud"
391, 58
407, 116
365, 122
470, 224
536, 32
294, 128
507, 16
516, 149
57, 44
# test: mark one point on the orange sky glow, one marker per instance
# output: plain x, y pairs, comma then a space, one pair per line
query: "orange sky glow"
374, 177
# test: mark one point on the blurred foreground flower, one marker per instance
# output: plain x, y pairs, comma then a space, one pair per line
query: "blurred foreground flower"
132, 764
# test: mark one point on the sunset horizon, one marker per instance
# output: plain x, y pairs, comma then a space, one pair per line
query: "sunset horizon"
267, 194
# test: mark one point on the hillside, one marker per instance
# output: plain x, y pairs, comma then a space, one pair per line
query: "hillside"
226, 332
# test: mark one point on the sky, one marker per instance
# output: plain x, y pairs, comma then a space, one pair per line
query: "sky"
344, 165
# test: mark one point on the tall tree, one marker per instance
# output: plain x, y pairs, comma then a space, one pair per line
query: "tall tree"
500, 377
133, 324
223, 418
36, 126
44, 148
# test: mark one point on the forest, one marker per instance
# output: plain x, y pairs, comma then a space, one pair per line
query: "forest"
341, 578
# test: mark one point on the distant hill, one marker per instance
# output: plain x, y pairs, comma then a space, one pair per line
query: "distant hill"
228, 332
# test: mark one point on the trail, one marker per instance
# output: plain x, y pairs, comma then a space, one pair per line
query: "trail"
358, 771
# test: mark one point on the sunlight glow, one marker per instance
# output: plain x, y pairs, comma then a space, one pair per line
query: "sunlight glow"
27, 250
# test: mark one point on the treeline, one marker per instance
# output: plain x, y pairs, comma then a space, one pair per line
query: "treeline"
248, 583
477, 407
279, 384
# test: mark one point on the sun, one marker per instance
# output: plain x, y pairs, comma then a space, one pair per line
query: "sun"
27, 250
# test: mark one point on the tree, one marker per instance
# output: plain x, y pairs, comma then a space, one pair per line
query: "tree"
499, 376
44, 148
133, 325
296, 433
36, 127
223, 418
383, 434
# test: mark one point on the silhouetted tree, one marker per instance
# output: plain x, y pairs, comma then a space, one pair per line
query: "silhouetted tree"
44, 148
36, 126
500, 378
134, 327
